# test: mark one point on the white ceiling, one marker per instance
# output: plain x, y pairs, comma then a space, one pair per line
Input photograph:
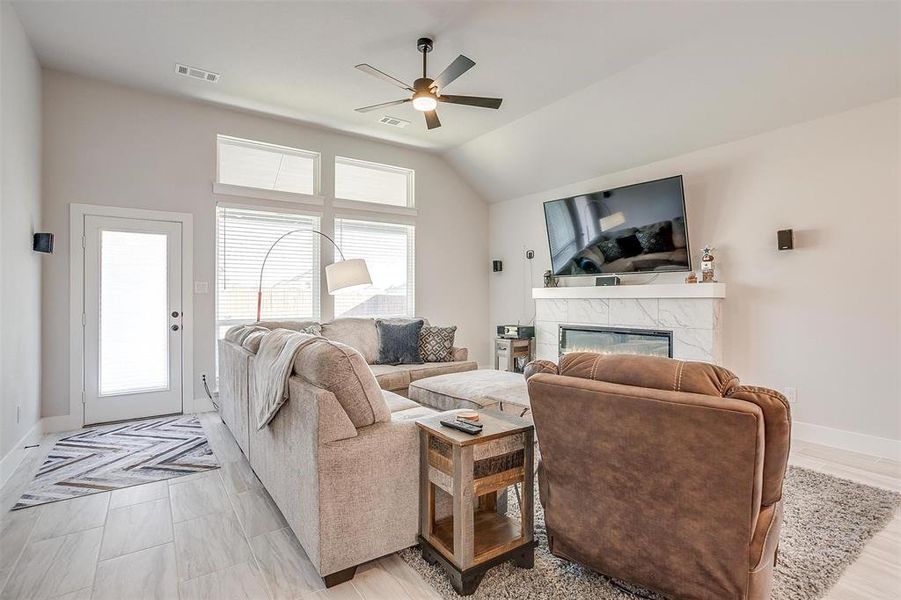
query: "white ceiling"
588, 87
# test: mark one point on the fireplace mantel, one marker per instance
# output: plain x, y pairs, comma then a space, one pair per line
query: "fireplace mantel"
692, 312
662, 290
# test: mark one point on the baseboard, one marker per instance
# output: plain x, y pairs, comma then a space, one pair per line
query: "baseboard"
10, 462
847, 440
60, 423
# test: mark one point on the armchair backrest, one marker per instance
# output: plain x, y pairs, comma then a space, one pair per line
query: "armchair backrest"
655, 470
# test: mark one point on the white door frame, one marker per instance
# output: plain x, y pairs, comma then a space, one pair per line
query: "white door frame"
77, 213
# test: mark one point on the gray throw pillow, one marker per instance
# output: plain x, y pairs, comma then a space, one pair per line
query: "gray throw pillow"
398, 342
436, 344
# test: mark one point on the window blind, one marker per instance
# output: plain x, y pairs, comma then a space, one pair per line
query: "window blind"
267, 166
291, 279
388, 249
373, 182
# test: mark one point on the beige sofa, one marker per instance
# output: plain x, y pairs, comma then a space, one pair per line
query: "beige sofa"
341, 457
361, 334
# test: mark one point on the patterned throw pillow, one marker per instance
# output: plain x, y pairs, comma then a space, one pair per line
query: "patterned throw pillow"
436, 344
657, 237
610, 249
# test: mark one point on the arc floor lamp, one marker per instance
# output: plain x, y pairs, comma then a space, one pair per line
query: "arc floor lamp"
338, 276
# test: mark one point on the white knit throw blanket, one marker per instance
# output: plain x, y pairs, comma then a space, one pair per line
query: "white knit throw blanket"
271, 370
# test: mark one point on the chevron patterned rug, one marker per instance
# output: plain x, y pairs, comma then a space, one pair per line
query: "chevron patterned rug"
121, 455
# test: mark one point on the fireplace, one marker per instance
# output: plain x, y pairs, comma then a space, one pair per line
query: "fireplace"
615, 340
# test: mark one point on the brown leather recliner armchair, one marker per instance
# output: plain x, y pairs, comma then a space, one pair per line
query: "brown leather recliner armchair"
663, 473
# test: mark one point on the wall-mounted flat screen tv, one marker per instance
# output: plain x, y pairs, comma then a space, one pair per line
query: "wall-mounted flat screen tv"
633, 229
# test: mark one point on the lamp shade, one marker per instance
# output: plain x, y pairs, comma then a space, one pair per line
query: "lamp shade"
347, 274
611, 221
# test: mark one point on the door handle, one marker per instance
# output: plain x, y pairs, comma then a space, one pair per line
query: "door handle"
174, 314
174, 328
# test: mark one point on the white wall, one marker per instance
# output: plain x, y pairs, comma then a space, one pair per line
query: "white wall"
110, 145
823, 318
20, 217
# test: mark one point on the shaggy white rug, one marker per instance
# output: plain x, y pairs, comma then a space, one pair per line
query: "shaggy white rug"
827, 523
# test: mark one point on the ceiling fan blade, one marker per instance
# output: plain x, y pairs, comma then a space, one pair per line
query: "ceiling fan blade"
431, 119
472, 101
382, 105
383, 76
460, 65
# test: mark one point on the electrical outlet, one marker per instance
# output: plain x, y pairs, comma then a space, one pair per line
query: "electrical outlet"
791, 394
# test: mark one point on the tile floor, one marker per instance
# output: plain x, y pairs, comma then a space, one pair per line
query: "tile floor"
218, 535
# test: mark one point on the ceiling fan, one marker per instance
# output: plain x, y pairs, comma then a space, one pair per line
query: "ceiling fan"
426, 93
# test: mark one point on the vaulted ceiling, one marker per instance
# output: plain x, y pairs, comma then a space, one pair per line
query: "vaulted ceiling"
588, 88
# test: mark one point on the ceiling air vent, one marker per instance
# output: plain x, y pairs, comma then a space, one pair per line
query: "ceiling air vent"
196, 73
393, 122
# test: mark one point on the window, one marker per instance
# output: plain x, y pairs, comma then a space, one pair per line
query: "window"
267, 166
388, 250
291, 278
371, 182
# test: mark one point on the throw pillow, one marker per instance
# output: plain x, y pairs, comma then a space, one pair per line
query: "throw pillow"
629, 245
436, 344
657, 237
610, 250
398, 342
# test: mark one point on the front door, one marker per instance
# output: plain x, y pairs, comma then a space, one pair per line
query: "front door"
132, 318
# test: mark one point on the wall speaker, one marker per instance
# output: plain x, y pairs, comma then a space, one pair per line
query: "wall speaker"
43, 242
786, 239
497, 266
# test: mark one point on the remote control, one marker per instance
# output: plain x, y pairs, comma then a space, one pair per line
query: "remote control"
469, 428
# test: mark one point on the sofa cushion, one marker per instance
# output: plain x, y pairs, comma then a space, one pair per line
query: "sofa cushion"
343, 371
358, 333
650, 372
398, 342
251, 343
239, 333
412, 413
397, 402
392, 377
311, 327
424, 370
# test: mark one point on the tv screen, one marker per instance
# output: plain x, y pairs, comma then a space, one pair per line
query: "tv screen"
633, 229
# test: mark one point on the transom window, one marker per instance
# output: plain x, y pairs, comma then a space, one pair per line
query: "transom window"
373, 182
267, 166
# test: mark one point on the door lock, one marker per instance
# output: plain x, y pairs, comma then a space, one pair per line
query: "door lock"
174, 328
174, 314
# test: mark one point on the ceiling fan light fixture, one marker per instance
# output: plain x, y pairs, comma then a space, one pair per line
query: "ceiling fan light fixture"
424, 101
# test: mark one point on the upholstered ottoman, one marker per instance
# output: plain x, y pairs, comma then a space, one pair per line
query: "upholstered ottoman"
502, 391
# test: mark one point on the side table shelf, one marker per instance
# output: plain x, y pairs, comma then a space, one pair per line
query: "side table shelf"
472, 470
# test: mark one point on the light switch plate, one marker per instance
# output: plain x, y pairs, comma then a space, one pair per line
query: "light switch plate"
201, 287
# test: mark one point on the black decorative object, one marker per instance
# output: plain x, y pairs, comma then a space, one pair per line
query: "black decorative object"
43, 242
786, 239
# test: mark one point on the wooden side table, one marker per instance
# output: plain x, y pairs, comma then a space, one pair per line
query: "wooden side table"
473, 469
508, 351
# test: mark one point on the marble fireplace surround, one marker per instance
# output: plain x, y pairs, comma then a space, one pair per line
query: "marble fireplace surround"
691, 311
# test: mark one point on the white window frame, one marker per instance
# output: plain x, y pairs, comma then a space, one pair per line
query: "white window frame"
351, 203
262, 207
229, 189
411, 251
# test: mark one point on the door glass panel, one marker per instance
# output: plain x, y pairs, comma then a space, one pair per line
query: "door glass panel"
134, 334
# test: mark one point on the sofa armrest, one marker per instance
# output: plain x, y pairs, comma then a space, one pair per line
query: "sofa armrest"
368, 494
460, 354
285, 455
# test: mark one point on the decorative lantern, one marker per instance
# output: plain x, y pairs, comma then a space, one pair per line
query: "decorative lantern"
708, 274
